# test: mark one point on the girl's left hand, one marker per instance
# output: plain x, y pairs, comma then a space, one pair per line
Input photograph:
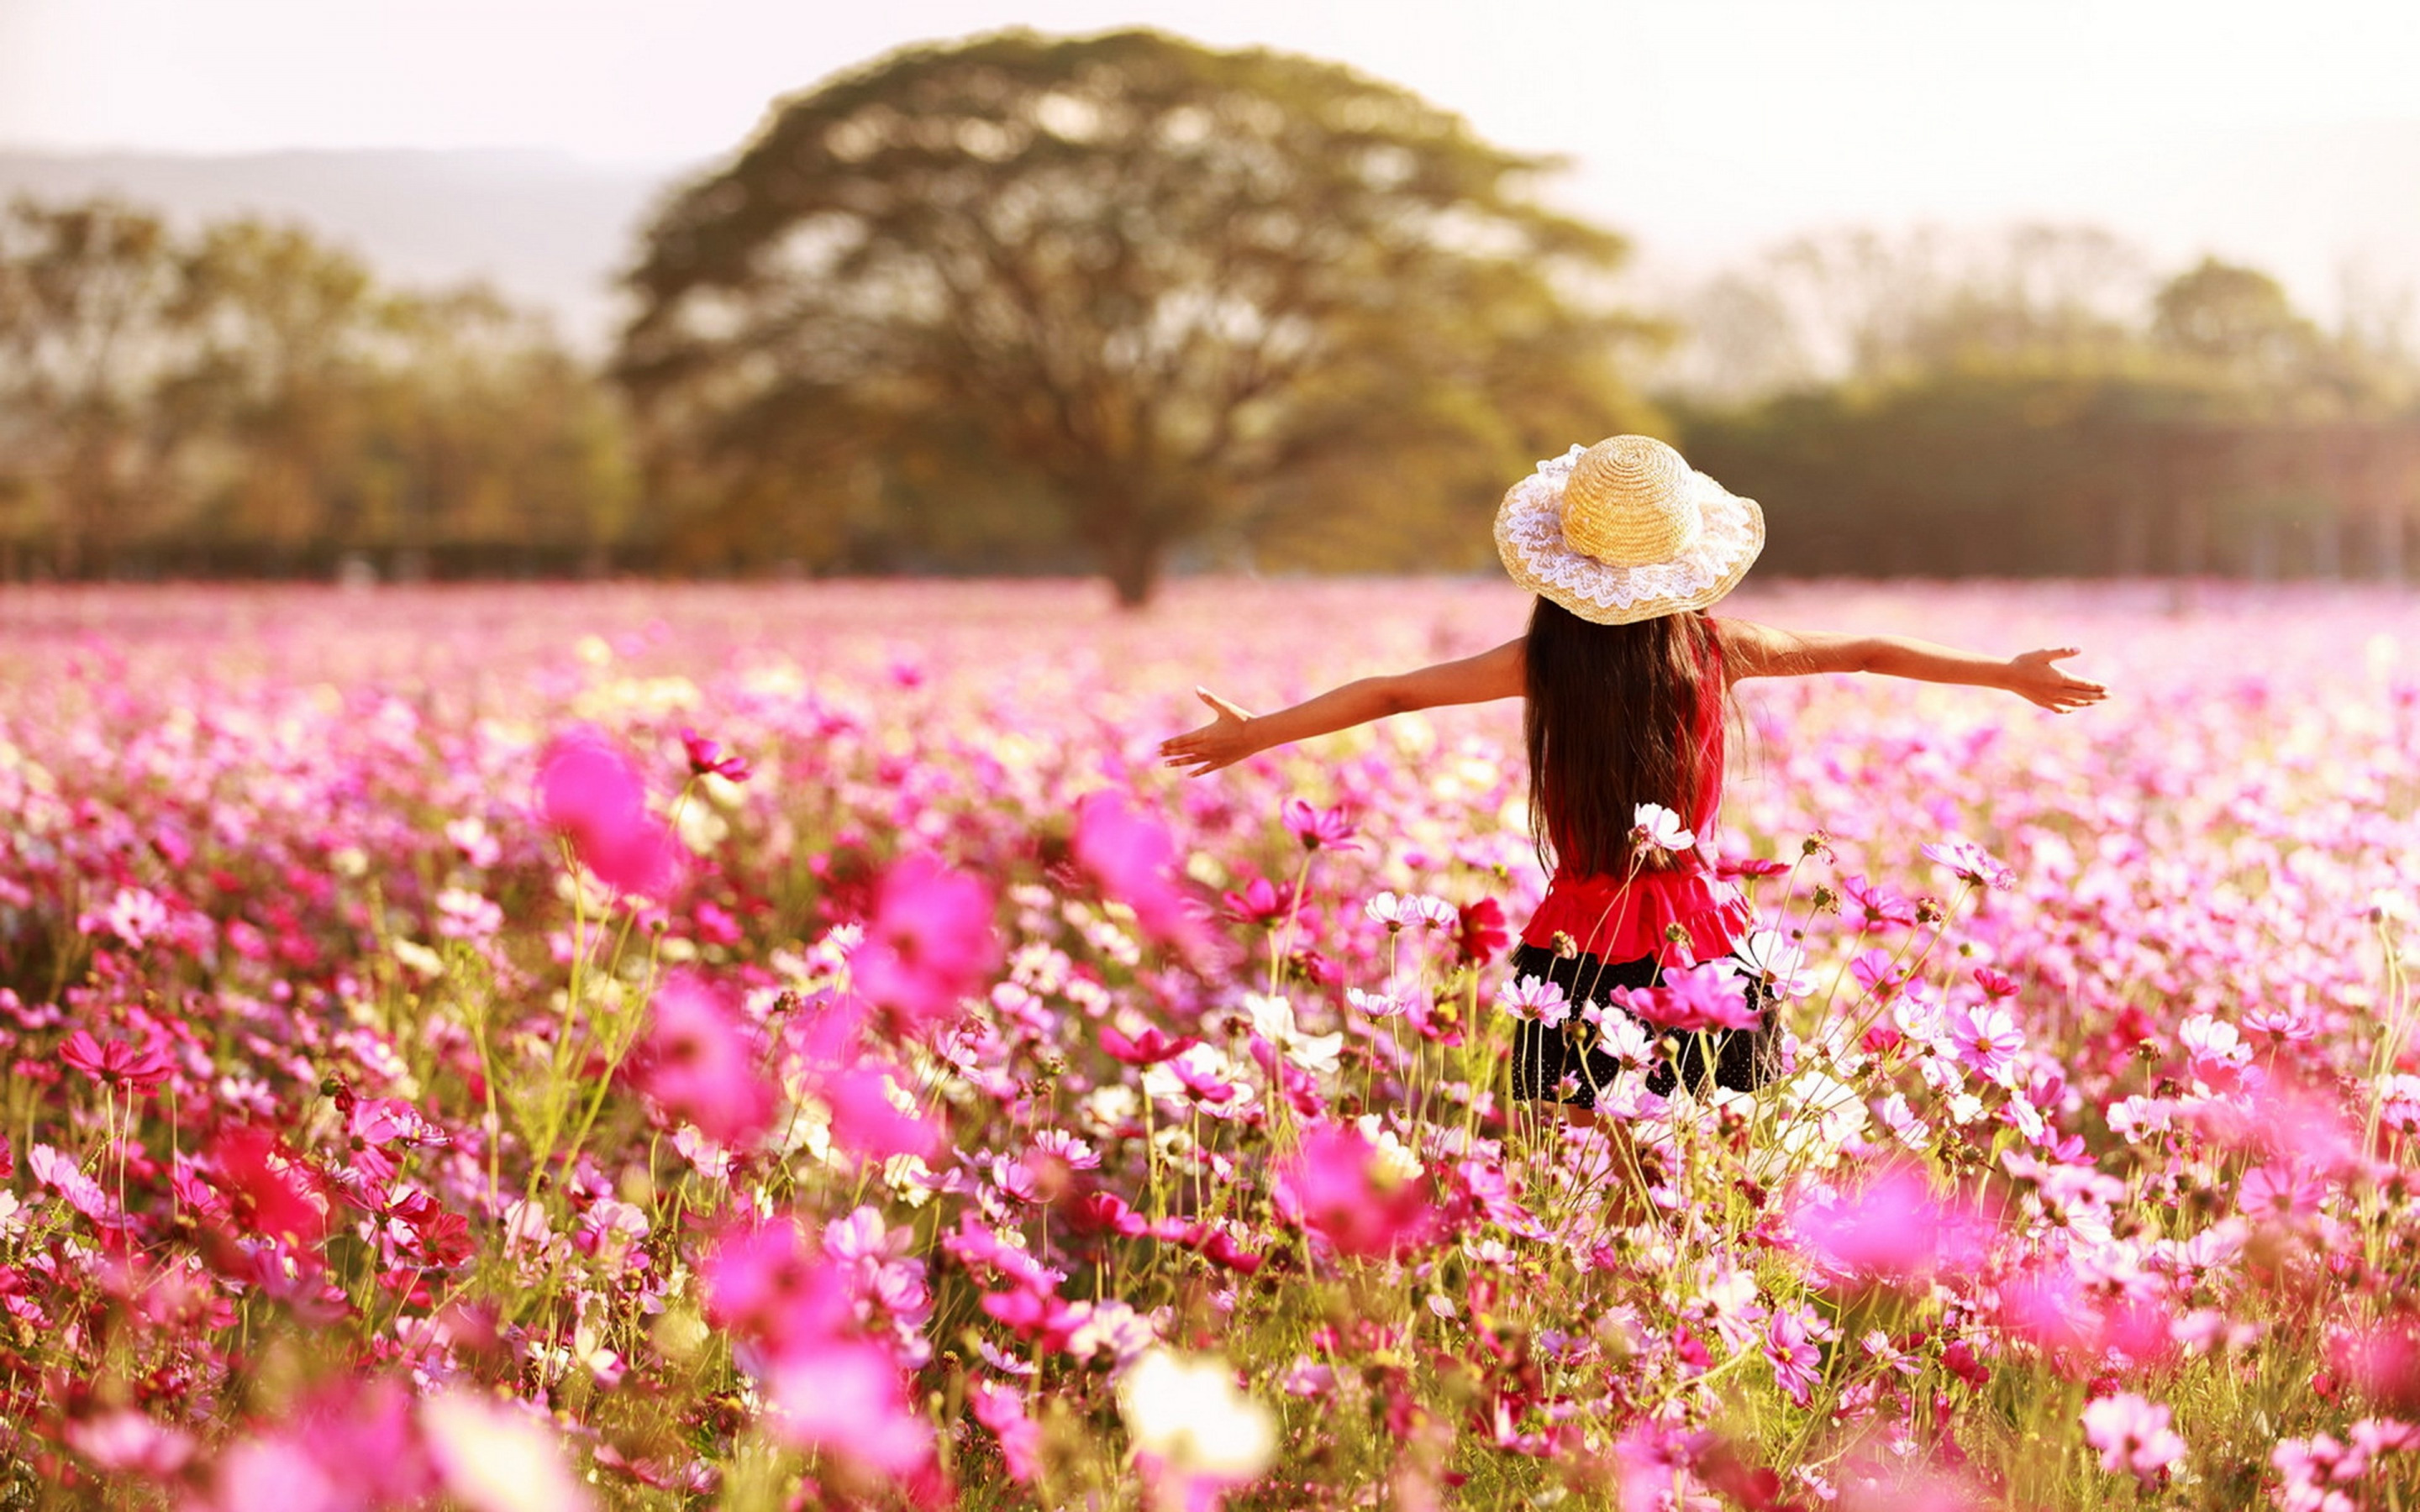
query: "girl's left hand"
1222, 742
2032, 676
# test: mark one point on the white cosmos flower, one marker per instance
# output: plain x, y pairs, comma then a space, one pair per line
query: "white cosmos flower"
1653, 824
1273, 1020
1771, 954
498, 1458
1190, 1413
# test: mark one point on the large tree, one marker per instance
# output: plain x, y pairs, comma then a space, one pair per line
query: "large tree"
1167, 292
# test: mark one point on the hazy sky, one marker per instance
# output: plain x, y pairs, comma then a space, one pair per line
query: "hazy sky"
1699, 125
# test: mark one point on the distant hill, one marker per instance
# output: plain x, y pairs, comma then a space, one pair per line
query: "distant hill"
2333, 210
549, 229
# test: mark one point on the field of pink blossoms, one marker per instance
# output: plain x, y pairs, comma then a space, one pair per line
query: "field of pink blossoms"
793, 1047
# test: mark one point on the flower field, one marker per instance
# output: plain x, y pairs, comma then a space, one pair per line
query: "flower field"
794, 1047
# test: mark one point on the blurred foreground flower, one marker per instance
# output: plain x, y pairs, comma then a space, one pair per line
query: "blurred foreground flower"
1889, 1226
698, 1063
929, 944
1134, 858
590, 792
499, 1456
1196, 1430
1353, 1194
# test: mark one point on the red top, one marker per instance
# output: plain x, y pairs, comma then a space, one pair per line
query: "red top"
1617, 918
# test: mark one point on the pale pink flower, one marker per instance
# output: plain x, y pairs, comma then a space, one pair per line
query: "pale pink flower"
2132, 1436
498, 1456
1797, 1360
1535, 998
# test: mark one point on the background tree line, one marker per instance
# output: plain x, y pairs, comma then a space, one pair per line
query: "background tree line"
1126, 304
247, 401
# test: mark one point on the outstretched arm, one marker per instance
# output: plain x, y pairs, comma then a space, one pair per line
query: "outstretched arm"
1753, 650
1235, 735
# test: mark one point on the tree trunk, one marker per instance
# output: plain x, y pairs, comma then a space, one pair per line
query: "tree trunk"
1130, 552
1131, 559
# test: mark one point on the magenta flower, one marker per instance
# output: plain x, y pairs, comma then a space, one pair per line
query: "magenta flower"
591, 792
1890, 1226
929, 945
1134, 858
706, 759
1337, 1186
763, 1282
1148, 1048
2382, 1360
2132, 1436
1705, 996
1318, 829
115, 1063
865, 1120
700, 1064
1002, 1411
848, 1396
1260, 902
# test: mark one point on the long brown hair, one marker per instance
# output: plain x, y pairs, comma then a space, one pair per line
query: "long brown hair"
1614, 719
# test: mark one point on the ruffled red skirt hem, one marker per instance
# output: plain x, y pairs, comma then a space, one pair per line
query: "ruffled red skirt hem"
1619, 919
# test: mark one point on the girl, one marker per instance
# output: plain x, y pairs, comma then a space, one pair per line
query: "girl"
1625, 676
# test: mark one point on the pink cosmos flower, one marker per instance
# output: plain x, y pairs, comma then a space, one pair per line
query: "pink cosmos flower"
1336, 1186
1147, 1048
864, 1120
1987, 1039
848, 1396
1002, 1410
1534, 998
1709, 995
1874, 902
1890, 1226
705, 758
590, 792
1318, 829
699, 1064
115, 1063
2382, 1360
1260, 902
126, 1440
2132, 1436
929, 945
1797, 1360
1134, 858
1972, 863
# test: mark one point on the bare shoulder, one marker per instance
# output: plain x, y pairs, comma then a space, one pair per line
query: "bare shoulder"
1754, 649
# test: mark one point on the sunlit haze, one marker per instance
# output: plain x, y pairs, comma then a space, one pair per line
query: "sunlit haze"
1704, 127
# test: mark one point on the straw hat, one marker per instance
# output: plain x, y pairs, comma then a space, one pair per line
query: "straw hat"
1625, 531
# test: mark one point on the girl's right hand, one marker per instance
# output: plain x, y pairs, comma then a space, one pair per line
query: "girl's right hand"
1222, 742
2032, 676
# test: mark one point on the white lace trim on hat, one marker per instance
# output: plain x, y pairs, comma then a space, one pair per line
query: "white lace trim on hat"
1533, 527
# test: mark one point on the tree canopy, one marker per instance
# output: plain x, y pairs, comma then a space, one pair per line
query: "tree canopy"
1122, 292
